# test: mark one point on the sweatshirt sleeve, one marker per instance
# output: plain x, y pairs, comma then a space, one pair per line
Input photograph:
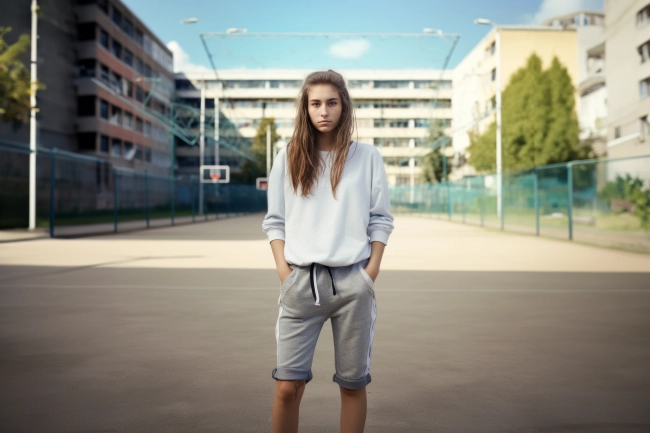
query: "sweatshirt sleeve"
380, 225
273, 224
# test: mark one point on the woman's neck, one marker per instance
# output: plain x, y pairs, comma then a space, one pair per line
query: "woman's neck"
325, 140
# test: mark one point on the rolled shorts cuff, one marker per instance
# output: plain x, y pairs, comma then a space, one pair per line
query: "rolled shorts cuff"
284, 373
352, 384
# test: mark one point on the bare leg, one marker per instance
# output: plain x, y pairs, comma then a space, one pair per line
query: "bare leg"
353, 410
286, 405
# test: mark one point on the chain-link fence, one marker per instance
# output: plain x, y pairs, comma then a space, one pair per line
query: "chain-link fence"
78, 195
605, 202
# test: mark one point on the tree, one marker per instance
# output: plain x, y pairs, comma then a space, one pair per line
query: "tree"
14, 80
252, 170
540, 125
431, 163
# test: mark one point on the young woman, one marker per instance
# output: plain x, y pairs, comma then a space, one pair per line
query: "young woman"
328, 222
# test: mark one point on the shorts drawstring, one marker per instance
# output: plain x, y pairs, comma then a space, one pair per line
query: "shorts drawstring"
314, 284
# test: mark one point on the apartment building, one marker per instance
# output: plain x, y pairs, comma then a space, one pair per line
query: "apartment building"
393, 110
592, 91
124, 87
474, 79
628, 77
108, 78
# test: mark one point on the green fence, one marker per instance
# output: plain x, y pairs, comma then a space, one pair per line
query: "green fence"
604, 202
78, 195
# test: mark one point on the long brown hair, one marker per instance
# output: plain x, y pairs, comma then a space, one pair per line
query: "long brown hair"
303, 157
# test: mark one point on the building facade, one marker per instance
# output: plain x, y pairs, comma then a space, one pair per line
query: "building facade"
474, 79
108, 78
628, 77
393, 111
592, 91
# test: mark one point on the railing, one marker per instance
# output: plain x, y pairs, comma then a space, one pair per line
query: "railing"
78, 195
604, 202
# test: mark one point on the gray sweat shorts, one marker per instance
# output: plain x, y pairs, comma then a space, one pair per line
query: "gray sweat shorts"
309, 296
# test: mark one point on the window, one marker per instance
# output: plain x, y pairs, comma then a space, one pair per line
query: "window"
128, 57
147, 155
86, 68
285, 84
147, 129
392, 142
391, 123
129, 151
244, 84
138, 153
432, 84
643, 16
360, 84
105, 74
128, 119
643, 88
493, 47
643, 128
86, 32
103, 144
127, 26
139, 37
442, 103
617, 132
138, 65
391, 84
147, 71
127, 88
116, 149
103, 109
117, 17
138, 125
117, 49
139, 94
493, 74
116, 83
116, 116
103, 38
86, 106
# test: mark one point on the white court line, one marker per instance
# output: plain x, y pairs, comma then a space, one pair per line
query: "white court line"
136, 286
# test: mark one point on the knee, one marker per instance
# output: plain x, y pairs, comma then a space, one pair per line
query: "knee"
289, 391
352, 392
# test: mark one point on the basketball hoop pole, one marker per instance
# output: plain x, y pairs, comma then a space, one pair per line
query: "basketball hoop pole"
201, 145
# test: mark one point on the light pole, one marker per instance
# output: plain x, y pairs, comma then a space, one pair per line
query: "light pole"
32, 121
497, 52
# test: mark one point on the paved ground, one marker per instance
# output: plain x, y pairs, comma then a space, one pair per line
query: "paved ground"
172, 330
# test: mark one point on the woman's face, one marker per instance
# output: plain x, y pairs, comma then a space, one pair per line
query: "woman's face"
325, 107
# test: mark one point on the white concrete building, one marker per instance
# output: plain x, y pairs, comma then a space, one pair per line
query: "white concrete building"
628, 77
393, 108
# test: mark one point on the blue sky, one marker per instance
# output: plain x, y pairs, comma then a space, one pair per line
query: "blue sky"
352, 16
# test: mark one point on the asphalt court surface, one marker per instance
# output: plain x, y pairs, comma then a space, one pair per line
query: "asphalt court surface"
113, 344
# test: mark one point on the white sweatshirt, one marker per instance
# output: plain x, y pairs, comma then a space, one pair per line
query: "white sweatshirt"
321, 229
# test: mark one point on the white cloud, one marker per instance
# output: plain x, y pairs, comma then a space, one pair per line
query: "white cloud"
351, 49
550, 8
182, 61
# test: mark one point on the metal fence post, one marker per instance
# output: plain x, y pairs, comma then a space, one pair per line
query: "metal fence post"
503, 199
464, 199
171, 192
115, 200
482, 201
448, 201
146, 196
52, 189
570, 198
536, 199
192, 201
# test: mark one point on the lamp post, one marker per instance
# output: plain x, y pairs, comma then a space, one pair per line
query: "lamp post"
497, 52
32, 121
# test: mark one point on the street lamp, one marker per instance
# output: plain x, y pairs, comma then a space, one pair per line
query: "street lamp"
497, 49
